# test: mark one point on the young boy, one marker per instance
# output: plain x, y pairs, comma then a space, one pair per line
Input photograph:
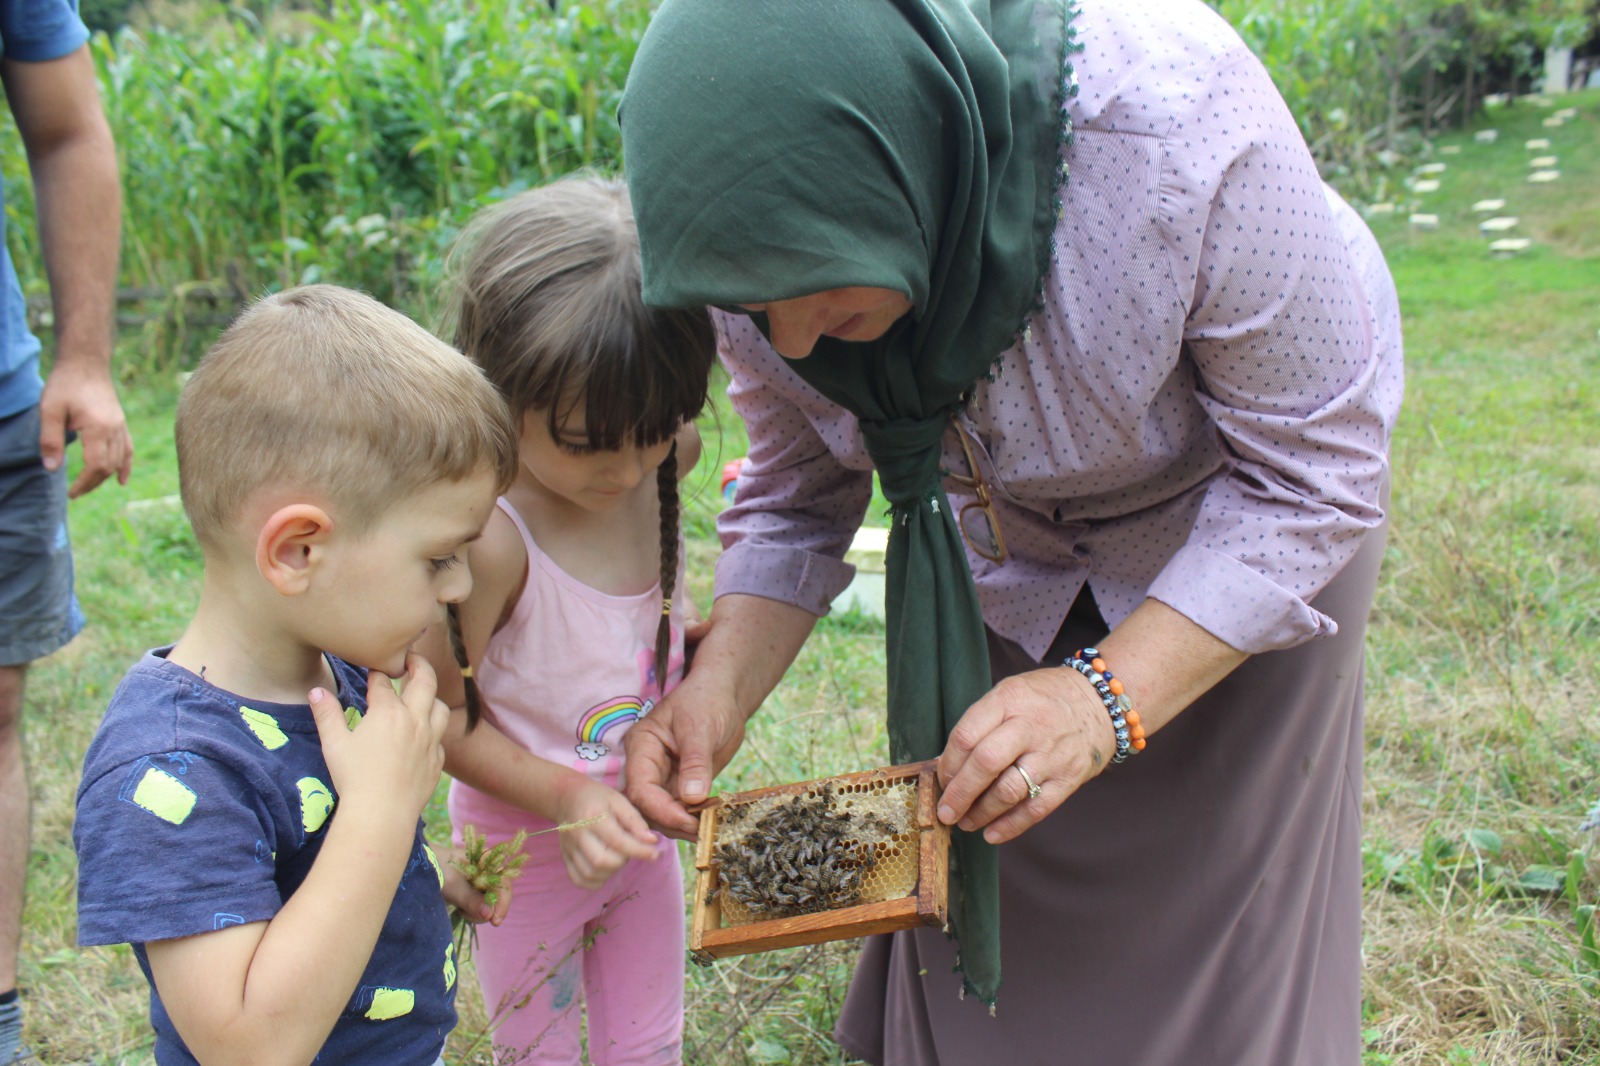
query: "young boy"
249, 817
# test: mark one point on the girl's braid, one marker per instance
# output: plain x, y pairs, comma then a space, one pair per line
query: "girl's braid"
458, 648
667, 493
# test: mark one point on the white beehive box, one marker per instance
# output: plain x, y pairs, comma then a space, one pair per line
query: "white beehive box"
1506, 247
865, 591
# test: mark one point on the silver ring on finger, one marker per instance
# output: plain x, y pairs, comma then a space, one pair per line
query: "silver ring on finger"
1033, 789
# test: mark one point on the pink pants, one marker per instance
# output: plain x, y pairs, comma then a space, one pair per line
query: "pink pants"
616, 952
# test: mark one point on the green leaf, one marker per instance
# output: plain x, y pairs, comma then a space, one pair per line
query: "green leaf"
1484, 841
766, 1050
1541, 879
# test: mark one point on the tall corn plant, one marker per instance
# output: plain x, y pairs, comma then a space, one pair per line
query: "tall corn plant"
347, 145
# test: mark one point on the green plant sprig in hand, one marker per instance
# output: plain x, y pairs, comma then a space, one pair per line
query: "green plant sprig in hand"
490, 869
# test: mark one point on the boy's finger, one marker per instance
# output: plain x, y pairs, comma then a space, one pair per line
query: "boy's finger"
420, 684
439, 722
502, 906
329, 716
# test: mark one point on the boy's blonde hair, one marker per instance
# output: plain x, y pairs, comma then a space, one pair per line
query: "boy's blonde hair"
327, 390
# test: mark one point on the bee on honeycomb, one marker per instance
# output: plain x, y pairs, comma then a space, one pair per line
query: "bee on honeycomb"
800, 855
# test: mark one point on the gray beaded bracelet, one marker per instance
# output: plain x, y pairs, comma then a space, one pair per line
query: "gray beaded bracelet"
1124, 719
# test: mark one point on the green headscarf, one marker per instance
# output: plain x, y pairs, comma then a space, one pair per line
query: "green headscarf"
775, 150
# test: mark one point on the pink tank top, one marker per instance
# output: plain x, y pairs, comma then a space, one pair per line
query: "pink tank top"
573, 668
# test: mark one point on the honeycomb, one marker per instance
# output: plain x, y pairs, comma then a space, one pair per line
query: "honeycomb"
879, 838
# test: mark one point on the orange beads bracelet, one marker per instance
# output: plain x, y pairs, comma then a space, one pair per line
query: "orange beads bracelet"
1124, 719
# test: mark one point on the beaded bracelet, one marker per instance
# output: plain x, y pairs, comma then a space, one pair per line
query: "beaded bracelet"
1124, 719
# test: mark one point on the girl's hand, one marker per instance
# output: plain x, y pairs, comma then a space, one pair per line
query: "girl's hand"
393, 756
1053, 722
468, 901
607, 832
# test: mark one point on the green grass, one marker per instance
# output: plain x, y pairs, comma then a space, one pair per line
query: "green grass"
1484, 667
1483, 747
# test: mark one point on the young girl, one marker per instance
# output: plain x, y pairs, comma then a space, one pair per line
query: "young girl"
574, 627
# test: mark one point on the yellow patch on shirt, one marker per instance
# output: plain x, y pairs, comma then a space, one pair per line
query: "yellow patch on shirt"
449, 967
316, 803
388, 1003
265, 727
438, 871
164, 796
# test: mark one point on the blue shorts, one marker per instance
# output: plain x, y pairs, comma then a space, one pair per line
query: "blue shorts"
38, 611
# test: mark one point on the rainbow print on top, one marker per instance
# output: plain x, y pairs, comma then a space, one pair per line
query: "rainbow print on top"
604, 717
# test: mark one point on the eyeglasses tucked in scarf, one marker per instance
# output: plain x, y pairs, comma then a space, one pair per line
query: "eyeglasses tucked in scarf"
979, 524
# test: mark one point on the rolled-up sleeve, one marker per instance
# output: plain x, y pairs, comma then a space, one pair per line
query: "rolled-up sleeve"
36, 31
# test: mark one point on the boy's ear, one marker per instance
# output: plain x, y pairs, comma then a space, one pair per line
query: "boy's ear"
291, 544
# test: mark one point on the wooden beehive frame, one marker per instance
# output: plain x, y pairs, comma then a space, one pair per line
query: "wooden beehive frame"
926, 905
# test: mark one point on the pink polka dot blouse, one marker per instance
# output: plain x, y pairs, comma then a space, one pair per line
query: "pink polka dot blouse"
1200, 413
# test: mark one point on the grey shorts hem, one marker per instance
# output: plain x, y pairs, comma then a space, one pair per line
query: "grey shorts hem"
38, 610
22, 653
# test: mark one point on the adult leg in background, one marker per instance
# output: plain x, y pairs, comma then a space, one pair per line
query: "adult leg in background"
14, 817
38, 614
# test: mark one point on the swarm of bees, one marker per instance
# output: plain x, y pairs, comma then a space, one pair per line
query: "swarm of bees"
800, 856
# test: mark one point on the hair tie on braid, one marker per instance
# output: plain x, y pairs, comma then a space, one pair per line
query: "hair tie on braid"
666, 605
458, 650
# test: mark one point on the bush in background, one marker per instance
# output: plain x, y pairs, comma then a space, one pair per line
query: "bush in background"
1370, 80
287, 141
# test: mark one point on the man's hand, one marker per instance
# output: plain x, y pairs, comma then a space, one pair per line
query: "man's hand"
81, 399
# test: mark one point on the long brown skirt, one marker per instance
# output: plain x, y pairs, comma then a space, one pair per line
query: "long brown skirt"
1198, 905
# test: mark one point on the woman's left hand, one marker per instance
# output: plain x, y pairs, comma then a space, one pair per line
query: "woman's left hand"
1052, 723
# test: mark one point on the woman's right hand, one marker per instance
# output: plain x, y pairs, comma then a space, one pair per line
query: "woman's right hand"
676, 750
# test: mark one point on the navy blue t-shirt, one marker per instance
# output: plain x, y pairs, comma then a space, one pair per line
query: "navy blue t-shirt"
198, 811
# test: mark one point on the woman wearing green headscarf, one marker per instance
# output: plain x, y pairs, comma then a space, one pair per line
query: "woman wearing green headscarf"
1066, 278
